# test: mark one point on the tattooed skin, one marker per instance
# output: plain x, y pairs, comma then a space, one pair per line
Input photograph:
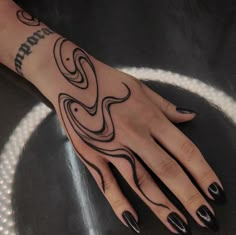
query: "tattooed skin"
25, 48
76, 74
27, 19
75, 70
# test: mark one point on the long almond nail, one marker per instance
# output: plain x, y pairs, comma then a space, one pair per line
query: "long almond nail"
131, 222
178, 224
217, 193
206, 216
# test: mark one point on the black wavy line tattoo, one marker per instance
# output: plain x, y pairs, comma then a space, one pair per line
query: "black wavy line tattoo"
76, 74
27, 19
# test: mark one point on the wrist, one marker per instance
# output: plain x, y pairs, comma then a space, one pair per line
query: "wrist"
62, 67
44, 70
35, 54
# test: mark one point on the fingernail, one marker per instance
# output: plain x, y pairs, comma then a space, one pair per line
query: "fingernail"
185, 110
178, 224
206, 216
131, 222
217, 192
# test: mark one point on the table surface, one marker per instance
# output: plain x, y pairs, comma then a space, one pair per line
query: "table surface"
53, 193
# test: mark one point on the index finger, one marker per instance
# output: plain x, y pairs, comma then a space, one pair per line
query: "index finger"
192, 159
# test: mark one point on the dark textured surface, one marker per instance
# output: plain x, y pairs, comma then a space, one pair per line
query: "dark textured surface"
53, 192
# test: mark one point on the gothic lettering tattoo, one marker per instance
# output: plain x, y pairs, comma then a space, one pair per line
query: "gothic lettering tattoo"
27, 19
80, 72
25, 48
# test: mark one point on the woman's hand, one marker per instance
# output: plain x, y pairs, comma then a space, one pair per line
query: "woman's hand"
111, 117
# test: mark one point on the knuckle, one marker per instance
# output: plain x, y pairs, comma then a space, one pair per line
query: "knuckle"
127, 127
115, 200
159, 125
165, 104
193, 200
156, 120
143, 178
188, 148
117, 203
152, 118
168, 167
109, 185
136, 133
161, 211
208, 176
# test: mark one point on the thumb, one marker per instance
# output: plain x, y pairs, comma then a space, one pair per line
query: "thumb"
178, 114
173, 113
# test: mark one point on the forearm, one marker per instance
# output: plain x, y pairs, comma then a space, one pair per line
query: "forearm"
26, 45
22, 39
36, 52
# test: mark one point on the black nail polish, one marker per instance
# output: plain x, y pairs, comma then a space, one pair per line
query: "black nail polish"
217, 192
131, 222
185, 110
178, 224
206, 216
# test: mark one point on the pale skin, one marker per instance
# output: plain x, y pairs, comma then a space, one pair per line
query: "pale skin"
137, 121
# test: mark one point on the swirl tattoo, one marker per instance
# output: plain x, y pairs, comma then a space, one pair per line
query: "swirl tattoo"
80, 72
27, 19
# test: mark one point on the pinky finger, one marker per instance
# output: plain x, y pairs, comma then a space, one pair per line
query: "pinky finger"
111, 190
